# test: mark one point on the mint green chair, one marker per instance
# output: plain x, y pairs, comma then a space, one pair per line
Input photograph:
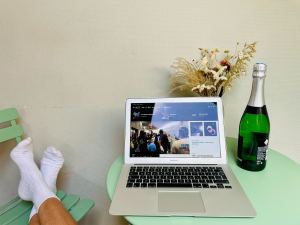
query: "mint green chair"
17, 211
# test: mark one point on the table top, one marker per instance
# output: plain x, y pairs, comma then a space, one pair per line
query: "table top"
274, 192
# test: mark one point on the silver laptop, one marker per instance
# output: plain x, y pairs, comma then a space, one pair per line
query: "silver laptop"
175, 161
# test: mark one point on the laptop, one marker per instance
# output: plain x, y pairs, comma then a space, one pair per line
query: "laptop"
175, 161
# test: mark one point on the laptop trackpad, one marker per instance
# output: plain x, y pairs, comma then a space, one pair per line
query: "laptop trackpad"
180, 201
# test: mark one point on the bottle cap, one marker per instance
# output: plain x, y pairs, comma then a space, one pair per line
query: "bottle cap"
259, 70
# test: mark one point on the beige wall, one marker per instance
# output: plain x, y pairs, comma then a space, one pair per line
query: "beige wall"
68, 67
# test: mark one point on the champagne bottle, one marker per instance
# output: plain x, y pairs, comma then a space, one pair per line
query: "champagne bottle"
254, 126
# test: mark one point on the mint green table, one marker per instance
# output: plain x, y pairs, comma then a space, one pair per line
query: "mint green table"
274, 193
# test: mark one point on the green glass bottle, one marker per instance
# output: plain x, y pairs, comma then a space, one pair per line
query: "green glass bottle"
254, 126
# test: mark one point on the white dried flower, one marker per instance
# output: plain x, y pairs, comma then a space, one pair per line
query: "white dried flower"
204, 62
241, 55
219, 75
203, 87
196, 88
204, 65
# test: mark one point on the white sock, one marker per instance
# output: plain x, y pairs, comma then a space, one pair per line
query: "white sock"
51, 163
32, 185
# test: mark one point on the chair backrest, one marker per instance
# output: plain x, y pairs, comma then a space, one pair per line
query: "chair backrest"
9, 129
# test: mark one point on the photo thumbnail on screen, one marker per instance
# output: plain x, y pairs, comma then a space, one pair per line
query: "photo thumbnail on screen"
155, 131
149, 140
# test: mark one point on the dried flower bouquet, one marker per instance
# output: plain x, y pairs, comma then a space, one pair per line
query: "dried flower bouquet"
209, 76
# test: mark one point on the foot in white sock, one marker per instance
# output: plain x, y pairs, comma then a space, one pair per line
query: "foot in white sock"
32, 186
51, 163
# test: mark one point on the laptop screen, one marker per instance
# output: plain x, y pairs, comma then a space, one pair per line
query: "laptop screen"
174, 129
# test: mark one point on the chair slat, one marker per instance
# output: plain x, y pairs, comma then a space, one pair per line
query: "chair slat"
69, 201
9, 204
60, 194
81, 209
8, 115
10, 133
15, 212
22, 219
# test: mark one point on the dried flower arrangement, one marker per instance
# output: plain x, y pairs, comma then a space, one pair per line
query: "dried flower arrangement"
209, 76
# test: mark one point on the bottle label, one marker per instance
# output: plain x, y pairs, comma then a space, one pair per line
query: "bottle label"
262, 147
261, 154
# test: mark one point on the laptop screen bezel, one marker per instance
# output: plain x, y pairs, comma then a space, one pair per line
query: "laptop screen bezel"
181, 160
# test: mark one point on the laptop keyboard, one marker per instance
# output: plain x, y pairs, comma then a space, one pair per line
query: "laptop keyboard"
177, 177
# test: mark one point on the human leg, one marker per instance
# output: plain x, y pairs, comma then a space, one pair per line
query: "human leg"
33, 188
52, 212
51, 163
34, 220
